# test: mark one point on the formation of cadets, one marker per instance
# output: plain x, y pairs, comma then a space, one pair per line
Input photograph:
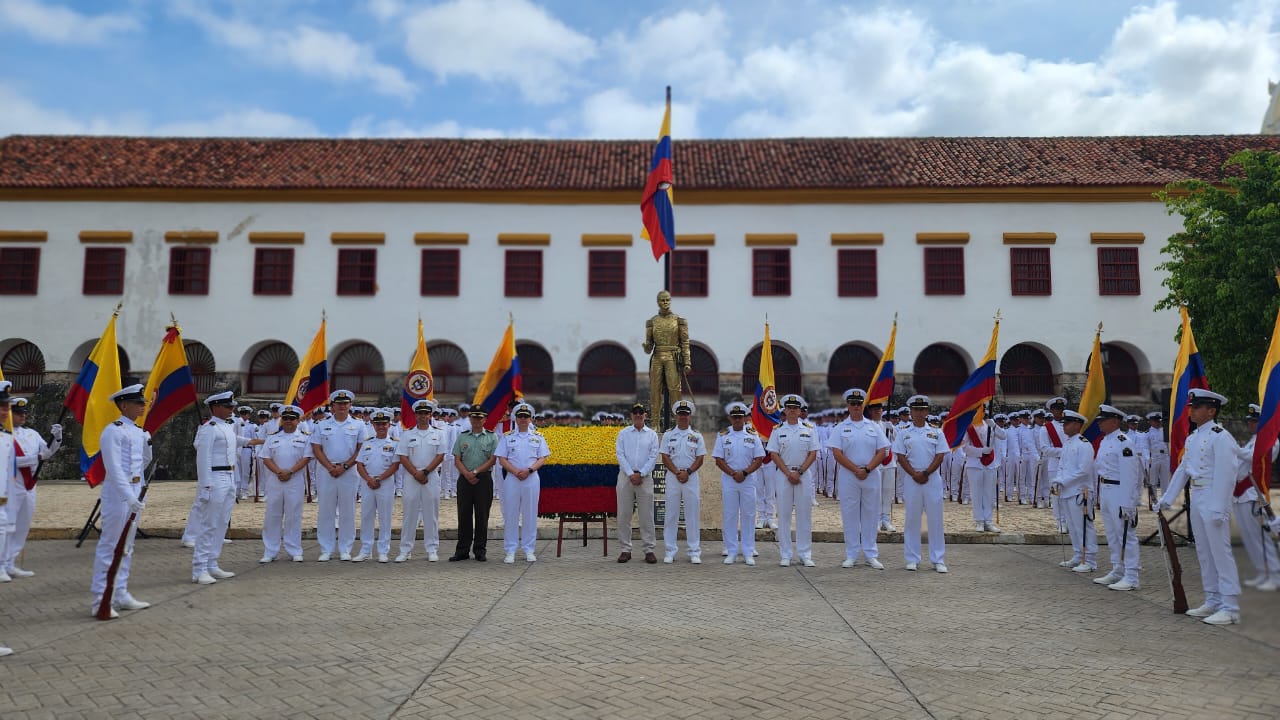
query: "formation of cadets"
866, 458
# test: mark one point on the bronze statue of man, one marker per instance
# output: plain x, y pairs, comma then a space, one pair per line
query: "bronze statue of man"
666, 335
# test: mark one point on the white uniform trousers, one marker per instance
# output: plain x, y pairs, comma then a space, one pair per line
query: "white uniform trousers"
377, 505
633, 499
1042, 487
1159, 473
860, 513
193, 522
1008, 478
691, 493
982, 480
888, 490
19, 511
114, 514
1217, 565
926, 498
1114, 527
214, 513
959, 479
449, 476
799, 497
1261, 550
738, 512
421, 504
336, 498
766, 492
283, 518
1026, 479
1083, 533
520, 513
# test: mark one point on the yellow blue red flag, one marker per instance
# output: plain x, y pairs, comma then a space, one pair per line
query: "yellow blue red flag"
419, 384
656, 206
501, 382
1188, 373
1269, 417
170, 386
764, 409
89, 400
309, 388
973, 394
1094, 394
882, 381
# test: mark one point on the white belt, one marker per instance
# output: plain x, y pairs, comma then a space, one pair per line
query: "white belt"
1200, 482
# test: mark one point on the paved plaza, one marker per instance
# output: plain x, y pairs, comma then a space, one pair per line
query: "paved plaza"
1006, 634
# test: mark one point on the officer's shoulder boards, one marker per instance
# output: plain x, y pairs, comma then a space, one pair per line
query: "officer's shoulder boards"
1083, 439
725, 431
304, 432
118, 423
752, 430
1217, 428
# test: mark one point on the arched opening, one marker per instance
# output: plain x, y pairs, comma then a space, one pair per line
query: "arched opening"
271, 369
24, 367
704, 371
1024, 370
359, 368
786, 371
607, 369
1122, 370
852, 365
536, 371
939, 370
449, 368
203, 368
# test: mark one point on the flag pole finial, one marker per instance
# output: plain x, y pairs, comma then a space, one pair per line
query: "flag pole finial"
1099, 327
116, 312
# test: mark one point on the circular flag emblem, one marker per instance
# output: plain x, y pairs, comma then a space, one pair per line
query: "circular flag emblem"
303, 386
418, 384
770, 400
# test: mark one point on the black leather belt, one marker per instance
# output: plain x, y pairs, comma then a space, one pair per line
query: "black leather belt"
1109, 482
221, 468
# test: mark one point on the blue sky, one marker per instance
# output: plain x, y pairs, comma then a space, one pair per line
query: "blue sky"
597, 68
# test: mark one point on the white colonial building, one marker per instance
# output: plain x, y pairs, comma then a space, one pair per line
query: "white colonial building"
246, 242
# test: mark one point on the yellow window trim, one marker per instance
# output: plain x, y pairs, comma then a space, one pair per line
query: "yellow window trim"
942, 238
524, 239
857, 238
201, 237
106, 236
766, 239
358, 238
607, 240
1117, 238
441, 238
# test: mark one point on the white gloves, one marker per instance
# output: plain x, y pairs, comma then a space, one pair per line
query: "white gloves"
136, 505
56, 431
1163, 505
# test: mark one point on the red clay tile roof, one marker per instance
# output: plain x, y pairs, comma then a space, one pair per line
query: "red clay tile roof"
51, 162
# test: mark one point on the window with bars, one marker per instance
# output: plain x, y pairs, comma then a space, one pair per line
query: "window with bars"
1029, 271
103, 271
19, 271
771, 271
273, 271
189, 271
607, 273
944, 271
689, 273
357, 271
523, 276
1118, 271
440, 272
856, 273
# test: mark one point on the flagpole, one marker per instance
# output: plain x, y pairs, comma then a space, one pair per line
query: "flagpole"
666, 257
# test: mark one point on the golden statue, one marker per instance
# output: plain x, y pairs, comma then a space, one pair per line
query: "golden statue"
666, 335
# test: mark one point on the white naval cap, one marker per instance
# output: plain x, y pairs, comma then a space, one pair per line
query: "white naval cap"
130, 393
1198, 396
1108, 411
918, 401
292, 411
341, 396
5, 385
855, 395
1157, 415
1048, 404
424, 405
380, 415
680, 407
522, 408
737, 408
1072, 416
223, 398
276, 406
792, 400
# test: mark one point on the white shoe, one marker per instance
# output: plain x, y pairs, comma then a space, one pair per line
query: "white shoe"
382, 557
992, 528
1253, 582
226, 541
204, 578
981, 528
360, 558
129, 602
93, 610
402, 557
221, 574
324, 557
755, 553
1084, 568
888, 527
728, 560
1203, 611
5, 652
668, 559
19, 572
433, 557
749, 561
346, 556
849, 562
695, 559
911, 567
509, 558
724, 553
188, 543
875, 564
784, 562
265, 559
1223, 617
1123, 585
773, 524
1266, 586
759, 524
940, 567
530, 557
297, 558
4, 577
1069, 563
1108, 579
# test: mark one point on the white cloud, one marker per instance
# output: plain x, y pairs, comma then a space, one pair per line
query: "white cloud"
614, 114
367, 126
62, 25
499, 41
247, 122
316, 52
385, 10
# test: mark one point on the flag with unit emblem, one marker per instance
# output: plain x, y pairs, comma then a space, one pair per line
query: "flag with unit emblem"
310, 386
1095, 393
764, 409
419, 384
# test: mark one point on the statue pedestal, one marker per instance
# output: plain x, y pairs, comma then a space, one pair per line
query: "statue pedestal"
660, 498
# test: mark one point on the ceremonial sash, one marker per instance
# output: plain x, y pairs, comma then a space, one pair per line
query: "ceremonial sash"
973, 438
1053, 434
1242, 486
28, 477
888, 456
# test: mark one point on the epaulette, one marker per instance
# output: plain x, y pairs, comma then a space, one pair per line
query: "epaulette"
277, 432
1217, 428
807, 423
118, 423
724, 432
1083, 439
230, 421
751, 429
305, 432
1121, 437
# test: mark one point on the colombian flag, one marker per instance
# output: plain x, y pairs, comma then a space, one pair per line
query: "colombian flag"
1269, 420
419, 384
501, 382
1188, 372
764, 410
1095, 393
310, 386
976, 391
882, 382
656, 210
89, 400
170, 386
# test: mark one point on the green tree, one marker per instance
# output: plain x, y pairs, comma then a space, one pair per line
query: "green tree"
1223, 266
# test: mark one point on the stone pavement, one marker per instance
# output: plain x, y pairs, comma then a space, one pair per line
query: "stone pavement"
1006, 634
